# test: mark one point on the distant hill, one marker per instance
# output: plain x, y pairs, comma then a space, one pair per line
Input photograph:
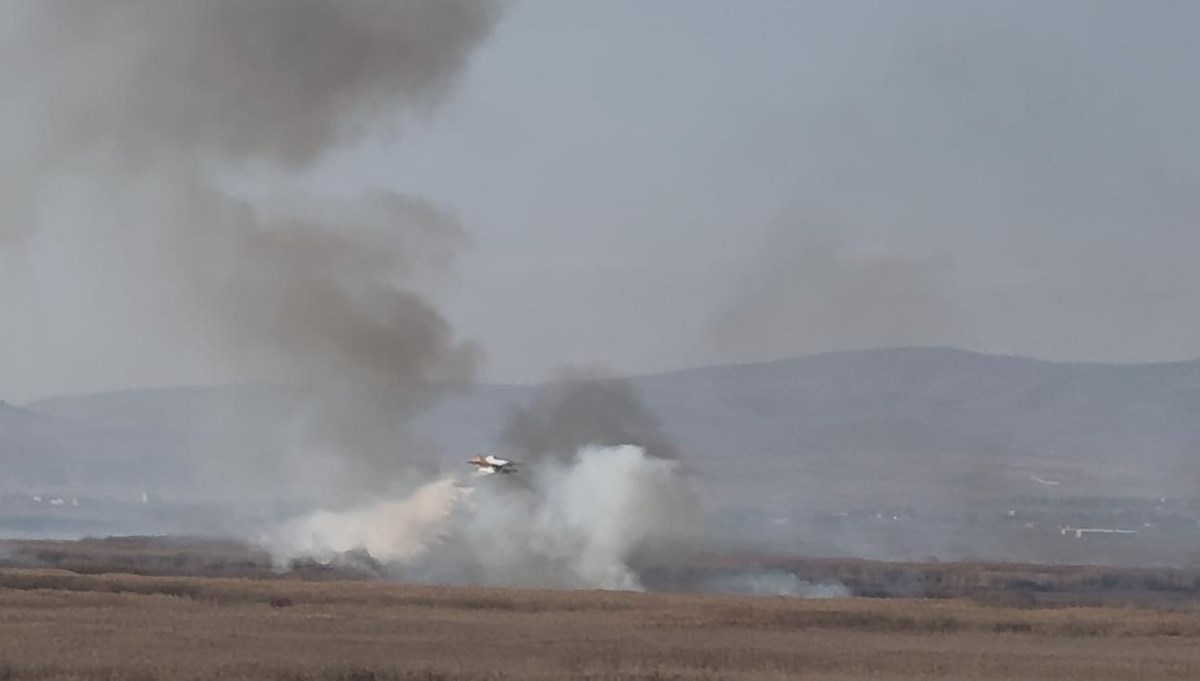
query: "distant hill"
43, 452
927, 426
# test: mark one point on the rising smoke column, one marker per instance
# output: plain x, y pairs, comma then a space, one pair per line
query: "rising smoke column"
577, 522
148, 113
584, 407
278, 81
587, 410
131, 120
584, 522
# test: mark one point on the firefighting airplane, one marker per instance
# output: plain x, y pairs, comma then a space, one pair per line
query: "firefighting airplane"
487, 465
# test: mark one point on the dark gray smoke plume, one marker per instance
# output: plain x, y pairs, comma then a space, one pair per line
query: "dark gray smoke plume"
584, 408
144, 116
276, 80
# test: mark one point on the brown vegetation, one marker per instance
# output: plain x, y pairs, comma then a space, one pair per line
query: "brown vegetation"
1012, 584
141, 555
56, 624
1009, 584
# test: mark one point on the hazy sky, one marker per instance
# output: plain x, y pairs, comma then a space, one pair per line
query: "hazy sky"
666, 183
652, 185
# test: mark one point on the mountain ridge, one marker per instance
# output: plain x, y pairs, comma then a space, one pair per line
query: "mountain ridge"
850, 427
36, 404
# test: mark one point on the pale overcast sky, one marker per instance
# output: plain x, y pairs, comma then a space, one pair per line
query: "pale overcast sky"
1017, 177
653, 185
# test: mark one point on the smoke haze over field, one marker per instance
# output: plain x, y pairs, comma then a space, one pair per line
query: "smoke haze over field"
578, 522
152, 118
1012, 178
136, 241
595, 492
358, 203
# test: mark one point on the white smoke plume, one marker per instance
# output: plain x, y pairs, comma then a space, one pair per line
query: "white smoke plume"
390, 530
774, 583
576, 524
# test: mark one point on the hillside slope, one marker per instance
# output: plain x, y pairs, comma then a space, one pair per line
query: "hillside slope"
902, 426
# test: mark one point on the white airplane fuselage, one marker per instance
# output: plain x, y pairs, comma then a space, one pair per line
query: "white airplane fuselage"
490, 465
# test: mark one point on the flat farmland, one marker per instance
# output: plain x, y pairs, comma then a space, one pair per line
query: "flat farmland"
62, 625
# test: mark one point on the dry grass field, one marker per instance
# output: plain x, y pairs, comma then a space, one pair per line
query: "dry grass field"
56, 624
1012, 584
